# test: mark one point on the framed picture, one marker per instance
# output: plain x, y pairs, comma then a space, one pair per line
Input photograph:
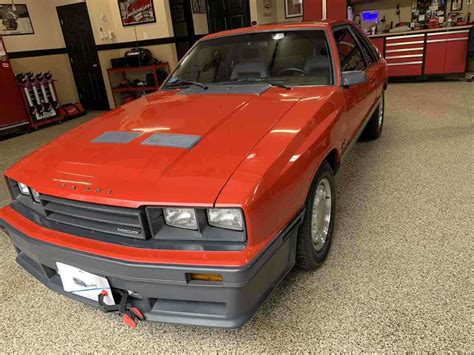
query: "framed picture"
456, 5
15, 20
136, 12
199, 6
293, 8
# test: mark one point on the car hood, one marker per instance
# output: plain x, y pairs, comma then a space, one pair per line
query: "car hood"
133, 174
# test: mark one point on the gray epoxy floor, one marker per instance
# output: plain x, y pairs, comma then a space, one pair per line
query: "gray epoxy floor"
399, 276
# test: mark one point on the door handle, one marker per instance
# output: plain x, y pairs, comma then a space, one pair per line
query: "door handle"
94, 65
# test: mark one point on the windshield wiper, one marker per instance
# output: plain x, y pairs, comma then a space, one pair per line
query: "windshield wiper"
180, 82
258, 80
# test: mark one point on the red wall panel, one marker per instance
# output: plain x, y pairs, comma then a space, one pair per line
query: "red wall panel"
336, 9
312, 10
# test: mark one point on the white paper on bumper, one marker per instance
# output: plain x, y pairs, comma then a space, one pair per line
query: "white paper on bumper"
83, 283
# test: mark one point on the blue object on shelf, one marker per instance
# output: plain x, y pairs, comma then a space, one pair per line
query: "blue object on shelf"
370, 16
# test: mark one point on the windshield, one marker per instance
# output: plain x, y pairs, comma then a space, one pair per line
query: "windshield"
279, 58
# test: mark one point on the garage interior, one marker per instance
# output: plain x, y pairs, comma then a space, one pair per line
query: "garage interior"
398, 277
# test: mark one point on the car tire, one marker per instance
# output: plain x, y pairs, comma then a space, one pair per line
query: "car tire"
315, 233
374, 127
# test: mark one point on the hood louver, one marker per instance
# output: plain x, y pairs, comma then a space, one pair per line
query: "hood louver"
172, 140
116, 137
185, 141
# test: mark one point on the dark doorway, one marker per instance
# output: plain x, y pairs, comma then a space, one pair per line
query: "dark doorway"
227, 14
183, 27
80, 44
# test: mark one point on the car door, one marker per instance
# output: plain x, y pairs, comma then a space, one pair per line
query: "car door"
376, 69
359, 98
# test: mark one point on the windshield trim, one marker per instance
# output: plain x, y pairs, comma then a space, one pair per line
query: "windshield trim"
326, 36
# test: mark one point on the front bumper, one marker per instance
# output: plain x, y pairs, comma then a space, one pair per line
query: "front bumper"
167, 294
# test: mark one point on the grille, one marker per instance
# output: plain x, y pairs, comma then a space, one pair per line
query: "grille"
121, 221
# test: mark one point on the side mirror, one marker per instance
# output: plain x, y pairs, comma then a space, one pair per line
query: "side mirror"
350, 78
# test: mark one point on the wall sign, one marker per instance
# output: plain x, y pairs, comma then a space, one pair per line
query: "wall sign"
293, 8
136, 12
15, 20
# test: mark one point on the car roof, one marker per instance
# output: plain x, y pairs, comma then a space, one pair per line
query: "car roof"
286, 26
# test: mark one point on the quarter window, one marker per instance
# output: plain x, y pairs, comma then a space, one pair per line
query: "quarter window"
350, 55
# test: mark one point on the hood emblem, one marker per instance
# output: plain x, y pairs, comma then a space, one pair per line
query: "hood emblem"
85, 188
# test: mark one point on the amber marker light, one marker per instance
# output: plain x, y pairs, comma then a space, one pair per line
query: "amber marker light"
205, 277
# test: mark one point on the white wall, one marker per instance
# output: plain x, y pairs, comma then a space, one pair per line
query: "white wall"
46, 26
104, 16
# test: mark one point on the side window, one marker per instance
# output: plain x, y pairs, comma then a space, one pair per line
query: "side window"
367, 51
350, 55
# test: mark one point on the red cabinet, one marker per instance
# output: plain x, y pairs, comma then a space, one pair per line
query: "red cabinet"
379, 42
12, 109
335, 10
456, 54
425, 53
446, 52
435, 57
404, 55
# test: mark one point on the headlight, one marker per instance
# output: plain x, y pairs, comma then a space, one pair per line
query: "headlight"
181, 217
24, 190
36, 196
228, 218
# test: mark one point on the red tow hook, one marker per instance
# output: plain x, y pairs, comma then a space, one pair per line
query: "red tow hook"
130, 314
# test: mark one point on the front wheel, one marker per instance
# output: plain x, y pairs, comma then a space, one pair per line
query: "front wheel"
374, 127
315, 234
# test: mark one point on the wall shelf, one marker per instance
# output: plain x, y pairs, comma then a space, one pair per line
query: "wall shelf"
117, 75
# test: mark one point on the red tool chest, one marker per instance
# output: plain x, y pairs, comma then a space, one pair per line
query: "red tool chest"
12, 109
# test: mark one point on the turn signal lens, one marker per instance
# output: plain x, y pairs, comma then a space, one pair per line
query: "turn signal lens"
228, 218
181, 217
205, 277
24, 190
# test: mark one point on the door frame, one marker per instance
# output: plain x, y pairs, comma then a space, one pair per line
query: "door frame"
102, 86
192, 38
209, 22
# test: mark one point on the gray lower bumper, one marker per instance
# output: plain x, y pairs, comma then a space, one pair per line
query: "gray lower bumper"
166, 293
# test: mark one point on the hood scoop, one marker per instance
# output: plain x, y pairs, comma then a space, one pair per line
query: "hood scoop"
185, 141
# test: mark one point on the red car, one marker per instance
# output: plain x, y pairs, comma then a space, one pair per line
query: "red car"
191, 204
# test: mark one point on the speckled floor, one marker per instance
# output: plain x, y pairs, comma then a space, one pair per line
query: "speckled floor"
399, 277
